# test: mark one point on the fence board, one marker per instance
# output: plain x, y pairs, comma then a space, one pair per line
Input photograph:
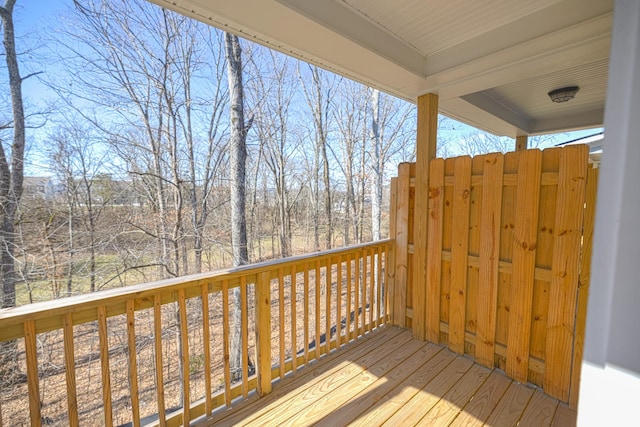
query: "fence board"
490, 220
434, 248
524, 246
459, 253
566, 259
584, 282
33, 383
391, 261
544, 255
402, 242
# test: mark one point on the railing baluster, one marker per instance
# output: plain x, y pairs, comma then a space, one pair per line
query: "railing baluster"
225, 342
348, 298
306, 314
104, 365
70, 369
245, 336
206, 348
281, 319
327, 310
363, 287
157, 335
317, 319
379, 286
294, 330
184, 343
133, 365
33, 383
339, 303
263, 332
372, 284
356, 291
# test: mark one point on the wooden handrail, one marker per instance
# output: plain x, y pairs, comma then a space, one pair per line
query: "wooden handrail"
355, 271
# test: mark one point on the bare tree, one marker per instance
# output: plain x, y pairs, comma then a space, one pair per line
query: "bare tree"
12, 163
273, 96
318, 94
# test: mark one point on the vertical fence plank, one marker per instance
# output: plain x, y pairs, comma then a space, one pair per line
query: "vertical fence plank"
104, 365
184, 343
583, 290
390, 262
263, 332
434, 248
459, 253
33, 383
544, 259
564, 277
244, 331
133, 363
225, 342
157, 337
524, 256
294, 315
490, 220
70, 373
281, 322
402, 245
506, 254
206, 348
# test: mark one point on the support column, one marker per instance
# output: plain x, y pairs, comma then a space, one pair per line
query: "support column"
521, 142
425, 151
610, 383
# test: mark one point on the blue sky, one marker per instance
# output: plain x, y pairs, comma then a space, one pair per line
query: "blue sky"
35, 20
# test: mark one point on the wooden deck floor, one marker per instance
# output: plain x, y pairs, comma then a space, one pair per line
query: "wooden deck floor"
388, 378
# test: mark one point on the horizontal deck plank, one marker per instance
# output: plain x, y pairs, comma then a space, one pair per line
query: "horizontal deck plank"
390, 378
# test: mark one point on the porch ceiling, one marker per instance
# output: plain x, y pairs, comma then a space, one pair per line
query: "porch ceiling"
492, 62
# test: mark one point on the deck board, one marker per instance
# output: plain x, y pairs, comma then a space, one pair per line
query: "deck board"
390, 378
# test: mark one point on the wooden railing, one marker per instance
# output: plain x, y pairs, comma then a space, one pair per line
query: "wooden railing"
162, 350
507, 255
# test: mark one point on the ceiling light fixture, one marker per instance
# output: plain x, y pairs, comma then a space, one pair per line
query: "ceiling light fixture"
563, 94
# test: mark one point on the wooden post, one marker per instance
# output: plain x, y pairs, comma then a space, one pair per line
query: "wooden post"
425, 152
263, 333
521, 142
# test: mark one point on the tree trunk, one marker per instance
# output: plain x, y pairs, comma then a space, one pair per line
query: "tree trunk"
376, 185
11, 178
237, 157
10, 186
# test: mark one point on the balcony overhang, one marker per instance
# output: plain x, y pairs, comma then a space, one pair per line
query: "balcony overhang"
491, 62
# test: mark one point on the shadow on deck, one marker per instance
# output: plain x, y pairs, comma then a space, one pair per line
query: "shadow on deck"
390, 378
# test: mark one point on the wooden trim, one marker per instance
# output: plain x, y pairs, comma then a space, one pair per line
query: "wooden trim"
402, 242
521, 142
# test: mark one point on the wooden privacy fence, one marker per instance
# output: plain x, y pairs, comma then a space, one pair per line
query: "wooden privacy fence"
162, 350
508, 260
